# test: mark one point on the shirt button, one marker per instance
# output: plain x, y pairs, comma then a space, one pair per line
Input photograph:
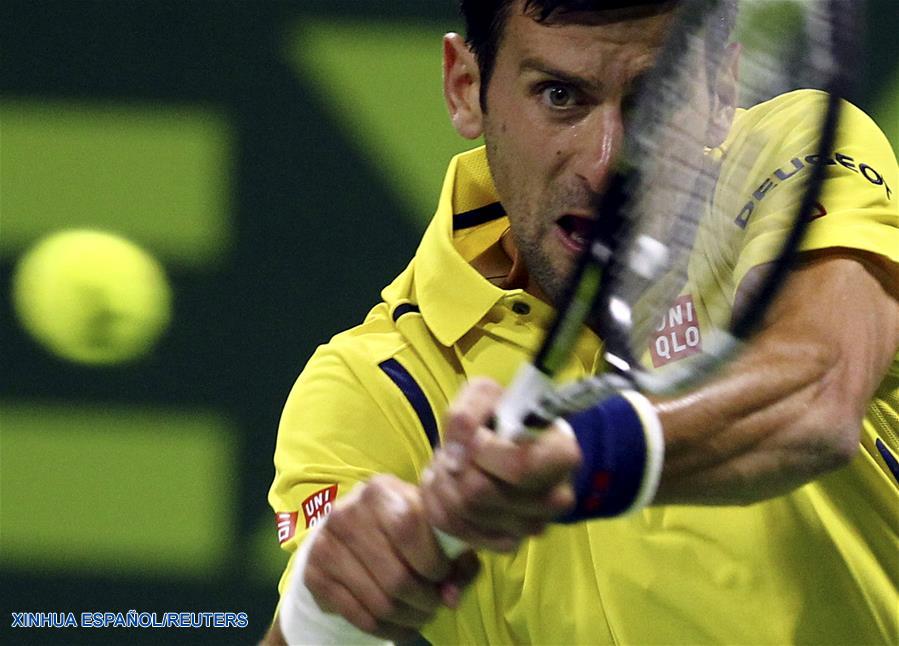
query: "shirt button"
520, 307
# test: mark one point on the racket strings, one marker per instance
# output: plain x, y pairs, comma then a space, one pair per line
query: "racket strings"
676, 196
683, 209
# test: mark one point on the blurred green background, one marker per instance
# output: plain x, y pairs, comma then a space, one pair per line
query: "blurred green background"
281, 159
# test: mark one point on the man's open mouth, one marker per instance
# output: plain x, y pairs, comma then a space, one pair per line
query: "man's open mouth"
574, 230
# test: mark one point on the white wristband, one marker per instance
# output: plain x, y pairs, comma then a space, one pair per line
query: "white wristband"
655, 448
301, 619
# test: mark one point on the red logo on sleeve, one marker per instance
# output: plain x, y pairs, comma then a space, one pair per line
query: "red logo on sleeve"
317, 506
677, 336
287, 525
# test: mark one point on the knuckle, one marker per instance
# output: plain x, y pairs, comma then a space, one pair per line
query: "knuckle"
380, 493
373, 489
386, 489
463, 418
405, 527
476, 489
485, 386
338, 519
383, 484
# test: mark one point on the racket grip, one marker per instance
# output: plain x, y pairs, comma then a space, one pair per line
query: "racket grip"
453, 547
517, 416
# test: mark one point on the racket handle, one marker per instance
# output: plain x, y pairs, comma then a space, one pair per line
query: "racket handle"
517, 416
453, 547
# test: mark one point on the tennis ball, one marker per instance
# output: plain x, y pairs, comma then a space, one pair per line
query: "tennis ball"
92, 297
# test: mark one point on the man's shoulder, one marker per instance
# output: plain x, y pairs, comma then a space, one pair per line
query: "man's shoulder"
795, 100
375, 337
363, 404
788, 116
361, 348
774, 144
393, 343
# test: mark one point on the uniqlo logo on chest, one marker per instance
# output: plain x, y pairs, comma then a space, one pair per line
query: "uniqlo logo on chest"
287, 525
677, 336
319, 505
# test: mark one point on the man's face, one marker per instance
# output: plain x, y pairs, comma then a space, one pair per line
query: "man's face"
556, 113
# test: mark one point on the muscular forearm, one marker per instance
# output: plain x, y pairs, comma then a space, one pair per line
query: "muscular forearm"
790, 407
752, 433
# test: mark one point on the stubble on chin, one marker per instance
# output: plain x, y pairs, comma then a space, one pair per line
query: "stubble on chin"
532, 228
549, 274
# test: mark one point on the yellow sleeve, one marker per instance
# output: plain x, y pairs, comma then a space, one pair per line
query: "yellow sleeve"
343, 422
859, 205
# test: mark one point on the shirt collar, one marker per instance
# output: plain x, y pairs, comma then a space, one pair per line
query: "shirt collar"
451, 294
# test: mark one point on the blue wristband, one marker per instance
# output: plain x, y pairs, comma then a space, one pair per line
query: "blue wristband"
621, 459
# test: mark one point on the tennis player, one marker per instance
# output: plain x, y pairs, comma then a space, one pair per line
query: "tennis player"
776, 519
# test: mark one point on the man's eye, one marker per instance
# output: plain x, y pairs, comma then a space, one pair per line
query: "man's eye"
559, 96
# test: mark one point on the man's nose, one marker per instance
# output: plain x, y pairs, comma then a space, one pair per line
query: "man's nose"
600, 139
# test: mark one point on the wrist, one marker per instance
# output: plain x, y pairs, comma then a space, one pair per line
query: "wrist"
622, 446
301, 619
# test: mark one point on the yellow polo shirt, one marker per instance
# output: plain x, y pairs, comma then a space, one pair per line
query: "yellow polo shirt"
818, 565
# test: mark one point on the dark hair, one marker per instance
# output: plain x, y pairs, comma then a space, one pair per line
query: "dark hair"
485, 21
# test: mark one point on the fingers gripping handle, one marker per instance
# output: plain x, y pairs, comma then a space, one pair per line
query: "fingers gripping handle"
519, 405
516, 407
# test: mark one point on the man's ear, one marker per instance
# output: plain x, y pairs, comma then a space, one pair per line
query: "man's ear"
725, 95
462, 87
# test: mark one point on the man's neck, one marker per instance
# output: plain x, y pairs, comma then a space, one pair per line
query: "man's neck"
502, 265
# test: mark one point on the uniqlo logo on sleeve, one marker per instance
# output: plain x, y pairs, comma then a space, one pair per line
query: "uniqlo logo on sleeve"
287, 525
317, 506
677, 336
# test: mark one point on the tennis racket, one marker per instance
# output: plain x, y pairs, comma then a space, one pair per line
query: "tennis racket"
677, 214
